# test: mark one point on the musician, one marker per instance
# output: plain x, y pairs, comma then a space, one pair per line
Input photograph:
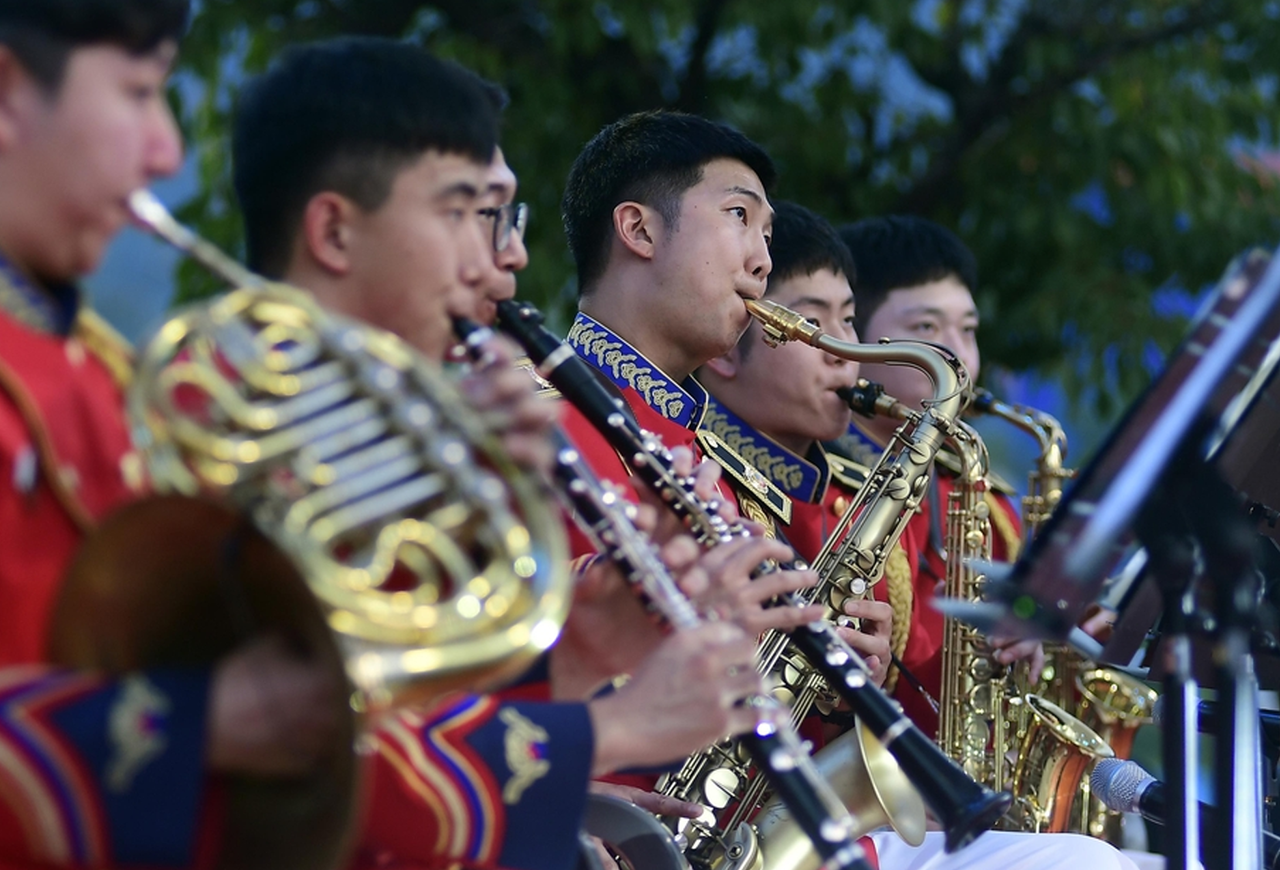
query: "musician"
98, 772
366, 190
775, 405
668, 219
916, 280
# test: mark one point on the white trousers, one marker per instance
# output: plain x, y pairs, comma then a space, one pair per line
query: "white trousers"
1001, 850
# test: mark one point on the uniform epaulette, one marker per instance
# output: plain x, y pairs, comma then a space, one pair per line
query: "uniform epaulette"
111, 348
849, 474
768, 494
995, 482
546, 389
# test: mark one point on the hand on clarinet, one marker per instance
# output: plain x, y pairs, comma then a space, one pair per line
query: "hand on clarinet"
507, 400
686, 695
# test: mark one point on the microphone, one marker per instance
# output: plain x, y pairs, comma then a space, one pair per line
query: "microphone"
1126, 787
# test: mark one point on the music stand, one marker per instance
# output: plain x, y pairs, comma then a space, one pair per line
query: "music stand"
1153, 481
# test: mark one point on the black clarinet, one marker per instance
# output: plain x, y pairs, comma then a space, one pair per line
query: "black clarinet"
964, 807
774, 745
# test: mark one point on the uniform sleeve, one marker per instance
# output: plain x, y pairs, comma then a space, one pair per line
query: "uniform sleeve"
478, 781
101, 772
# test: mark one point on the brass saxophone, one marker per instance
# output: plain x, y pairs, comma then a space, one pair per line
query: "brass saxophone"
853, 558
851, 562
1000, 736
1113, 704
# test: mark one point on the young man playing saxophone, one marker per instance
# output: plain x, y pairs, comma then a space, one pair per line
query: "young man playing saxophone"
365, 191
916, 280
776, 405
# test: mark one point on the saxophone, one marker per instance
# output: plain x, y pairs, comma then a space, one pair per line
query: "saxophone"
721, 778
853, 558
1113, 704
999, 735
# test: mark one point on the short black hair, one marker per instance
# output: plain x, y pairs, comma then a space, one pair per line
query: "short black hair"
43, 33
651, 158
903, 251
803, 243
347, 115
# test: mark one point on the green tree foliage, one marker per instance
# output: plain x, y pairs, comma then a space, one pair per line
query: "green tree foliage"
1090, 151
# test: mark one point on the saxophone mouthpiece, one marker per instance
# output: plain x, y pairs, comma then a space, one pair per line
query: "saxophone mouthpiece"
780, 324
982, 400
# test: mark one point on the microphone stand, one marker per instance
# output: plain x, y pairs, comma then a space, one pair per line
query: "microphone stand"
1199, 541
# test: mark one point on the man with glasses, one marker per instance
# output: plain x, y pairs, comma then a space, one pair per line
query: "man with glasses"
360, 165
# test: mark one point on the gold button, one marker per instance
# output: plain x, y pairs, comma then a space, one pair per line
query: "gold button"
840, 505
70, 477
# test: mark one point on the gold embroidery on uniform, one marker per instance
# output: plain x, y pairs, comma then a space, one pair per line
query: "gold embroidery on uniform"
897, 576
519, 741
788, 475
756, 512
609, 355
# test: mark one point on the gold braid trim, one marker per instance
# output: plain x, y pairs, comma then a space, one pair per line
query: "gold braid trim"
897, 577
109, 346
1004, 526
753, 510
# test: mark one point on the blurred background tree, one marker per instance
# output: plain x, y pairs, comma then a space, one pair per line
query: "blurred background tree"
1104, 159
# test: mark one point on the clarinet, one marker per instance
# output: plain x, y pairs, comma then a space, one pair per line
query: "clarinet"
965, 808
774, 745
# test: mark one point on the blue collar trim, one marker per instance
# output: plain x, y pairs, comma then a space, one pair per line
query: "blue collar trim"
52, 310
626, 367
804, 479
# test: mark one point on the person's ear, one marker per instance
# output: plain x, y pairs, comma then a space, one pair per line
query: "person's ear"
18, 94
328, 227
635, 226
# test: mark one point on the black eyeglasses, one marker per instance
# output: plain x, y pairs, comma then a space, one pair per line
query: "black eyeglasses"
509, 220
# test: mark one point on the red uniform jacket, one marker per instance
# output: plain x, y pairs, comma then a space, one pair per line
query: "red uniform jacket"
816, 490
93, 772
109, 773
669, 410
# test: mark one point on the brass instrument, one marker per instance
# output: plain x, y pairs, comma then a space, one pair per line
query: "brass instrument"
985, 722
434, 559
851, 562
321, 482
1112, 704
853, 558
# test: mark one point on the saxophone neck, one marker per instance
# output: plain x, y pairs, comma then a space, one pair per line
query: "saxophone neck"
946, 371
1042, 426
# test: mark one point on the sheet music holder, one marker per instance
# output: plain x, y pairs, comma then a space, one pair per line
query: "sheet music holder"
1220, 371
1171, 475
